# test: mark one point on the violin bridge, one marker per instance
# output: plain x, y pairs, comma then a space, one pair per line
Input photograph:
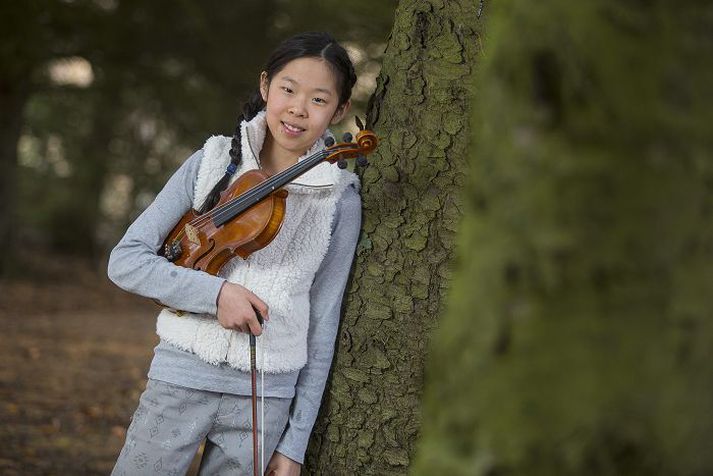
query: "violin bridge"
192, 234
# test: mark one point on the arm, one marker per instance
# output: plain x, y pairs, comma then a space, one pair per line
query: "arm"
326, 302
134, 265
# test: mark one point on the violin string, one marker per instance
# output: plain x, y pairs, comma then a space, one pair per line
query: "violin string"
232, 204
251, 193
235, 203
254, 193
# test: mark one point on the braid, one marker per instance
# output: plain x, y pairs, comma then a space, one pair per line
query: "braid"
235, 158
253, 105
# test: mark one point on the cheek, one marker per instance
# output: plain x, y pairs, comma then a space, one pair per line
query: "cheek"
324, 115
275, 101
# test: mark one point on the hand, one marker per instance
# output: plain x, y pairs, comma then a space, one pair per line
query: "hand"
281, 465
235, 309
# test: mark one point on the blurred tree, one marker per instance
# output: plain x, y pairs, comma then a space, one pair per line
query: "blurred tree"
174, 72
370, 418
579, 335
24, 44
160, 77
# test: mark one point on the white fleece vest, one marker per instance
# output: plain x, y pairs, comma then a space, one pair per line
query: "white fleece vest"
281, 274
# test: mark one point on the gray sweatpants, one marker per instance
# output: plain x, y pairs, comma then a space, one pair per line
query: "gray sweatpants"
171, 422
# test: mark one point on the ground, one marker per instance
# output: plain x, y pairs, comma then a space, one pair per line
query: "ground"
75, 352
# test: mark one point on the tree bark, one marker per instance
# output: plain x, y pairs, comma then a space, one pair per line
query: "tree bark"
578, 338
370, 417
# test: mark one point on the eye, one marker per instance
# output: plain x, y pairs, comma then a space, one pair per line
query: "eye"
320, 100
286, 89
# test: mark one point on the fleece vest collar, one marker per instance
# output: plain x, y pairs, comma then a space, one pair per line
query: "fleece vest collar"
281, 274
323, 175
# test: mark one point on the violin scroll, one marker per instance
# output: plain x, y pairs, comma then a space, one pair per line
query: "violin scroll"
364, 144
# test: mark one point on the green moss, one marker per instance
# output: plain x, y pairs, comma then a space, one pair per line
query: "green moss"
380, 360
367, 396
355, 375
390, 174
416, 242
396, 457
376, 311
365, 439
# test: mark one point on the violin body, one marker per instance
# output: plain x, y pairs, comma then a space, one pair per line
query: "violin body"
197, 243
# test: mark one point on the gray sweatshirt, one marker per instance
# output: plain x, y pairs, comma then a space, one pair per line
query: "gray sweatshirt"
135, 267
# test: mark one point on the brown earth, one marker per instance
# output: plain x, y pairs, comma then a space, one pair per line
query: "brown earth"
75, 352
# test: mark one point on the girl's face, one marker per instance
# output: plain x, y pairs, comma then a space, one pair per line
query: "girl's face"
302, 101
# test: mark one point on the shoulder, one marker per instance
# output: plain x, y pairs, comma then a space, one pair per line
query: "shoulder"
193, 161
350, 198
348, 208
187, 172
215, 146
215, 157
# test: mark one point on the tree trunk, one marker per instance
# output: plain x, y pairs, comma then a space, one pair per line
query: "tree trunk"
13, 96
370, 417
578, 337
75, 224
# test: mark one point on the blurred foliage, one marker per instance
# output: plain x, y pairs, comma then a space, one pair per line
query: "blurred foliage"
578, 339
121, 92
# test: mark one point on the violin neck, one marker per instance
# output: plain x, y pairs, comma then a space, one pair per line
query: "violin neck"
292, 172
238, 205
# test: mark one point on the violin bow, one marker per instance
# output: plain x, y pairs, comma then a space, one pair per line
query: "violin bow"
253, 380
367, 142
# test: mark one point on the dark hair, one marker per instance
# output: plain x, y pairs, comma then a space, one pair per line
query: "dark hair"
304, 45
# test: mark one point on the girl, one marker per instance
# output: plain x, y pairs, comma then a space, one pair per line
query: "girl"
198, 383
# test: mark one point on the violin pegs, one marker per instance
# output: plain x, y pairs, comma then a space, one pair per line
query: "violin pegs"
342, 163
359, 124
329, 141
361, 161
347, 137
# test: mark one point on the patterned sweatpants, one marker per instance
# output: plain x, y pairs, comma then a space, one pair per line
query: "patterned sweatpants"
171, 422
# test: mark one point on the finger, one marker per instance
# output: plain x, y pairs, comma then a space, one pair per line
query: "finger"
259, 305
255, 327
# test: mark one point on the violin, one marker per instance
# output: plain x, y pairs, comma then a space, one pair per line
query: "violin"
250, 211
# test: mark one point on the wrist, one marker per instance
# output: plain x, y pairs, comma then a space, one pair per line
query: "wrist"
217, 297
289, 455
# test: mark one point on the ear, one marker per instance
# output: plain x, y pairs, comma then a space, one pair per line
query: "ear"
264, 85
341, 112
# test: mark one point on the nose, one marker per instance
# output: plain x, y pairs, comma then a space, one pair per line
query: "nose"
297, 108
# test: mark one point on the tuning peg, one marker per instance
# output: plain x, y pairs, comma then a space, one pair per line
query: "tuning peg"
361, 161
359, 124
347, 137
342, 163
329, 141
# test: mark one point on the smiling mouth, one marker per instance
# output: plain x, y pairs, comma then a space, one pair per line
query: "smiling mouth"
291, 128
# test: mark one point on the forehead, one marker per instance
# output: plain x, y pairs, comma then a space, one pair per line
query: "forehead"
309, 73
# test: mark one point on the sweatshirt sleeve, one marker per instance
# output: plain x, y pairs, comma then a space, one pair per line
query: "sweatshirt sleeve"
135, 266
326, 302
